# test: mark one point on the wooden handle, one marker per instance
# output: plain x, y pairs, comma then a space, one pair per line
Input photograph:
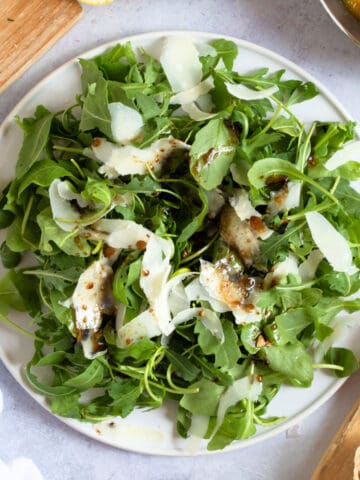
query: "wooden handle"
337, 462
27, 29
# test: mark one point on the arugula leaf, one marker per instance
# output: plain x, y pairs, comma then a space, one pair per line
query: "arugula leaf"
183, 367
42, 173
95, 112
305, 91
292, 361
234, 427
90, 377
204, 402
9, 258
212, 153
267, 169
227, 50
124, 393
226, 353
35, 141
344, 358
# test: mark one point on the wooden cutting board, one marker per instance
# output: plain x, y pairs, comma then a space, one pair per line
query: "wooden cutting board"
27, 29
338, 461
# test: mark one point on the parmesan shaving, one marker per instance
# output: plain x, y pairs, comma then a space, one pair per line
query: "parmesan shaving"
126, 122
180, 61
245, 93
129, 160
351, 152
331, 243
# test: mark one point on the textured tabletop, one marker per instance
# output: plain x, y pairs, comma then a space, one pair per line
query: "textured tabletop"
300, 31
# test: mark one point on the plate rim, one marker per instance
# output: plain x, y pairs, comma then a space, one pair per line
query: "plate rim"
288, 64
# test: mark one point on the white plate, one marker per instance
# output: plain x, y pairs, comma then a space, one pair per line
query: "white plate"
154, 432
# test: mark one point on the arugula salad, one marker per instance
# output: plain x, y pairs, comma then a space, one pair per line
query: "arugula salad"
191, 239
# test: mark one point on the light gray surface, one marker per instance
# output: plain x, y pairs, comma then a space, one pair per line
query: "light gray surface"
302, 32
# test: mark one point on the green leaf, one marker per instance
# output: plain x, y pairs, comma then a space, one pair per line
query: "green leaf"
48, 391
98, 192
139, 351
226, 353
305, 91
211, 153
182, 366
10, 297
265, 170
234, 427
124, 393
291, 323
330, 137
42, 173
204, 402
197, 221
66, 406
286, 125
227, 50
52, 233
90, 74
291, 360
9, 258
278, 243
35, 141
248, 336
52, 358
344, 358
95, 112
90, 377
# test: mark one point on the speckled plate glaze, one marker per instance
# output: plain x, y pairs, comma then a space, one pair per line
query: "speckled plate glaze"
154, 432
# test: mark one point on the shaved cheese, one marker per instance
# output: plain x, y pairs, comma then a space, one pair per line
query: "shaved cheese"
240, 389
196, 432
61, 208
156, 266
124, 233
144, 325
126, 122
240, 202
216, 201
224, 295
247, 315
209, 319
293, 197
244, 210
196, 114
286, 198
211, 280
120, 316
308, 268
245, 93
331, 243
87, 344
281, 270
196, 291
130, 160
188, 96
177, 299
67, 193
92, 295
180, 61
351, 152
